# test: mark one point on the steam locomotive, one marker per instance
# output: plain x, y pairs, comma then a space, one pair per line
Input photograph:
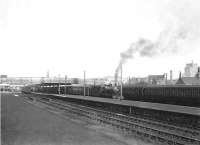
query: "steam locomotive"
170, 94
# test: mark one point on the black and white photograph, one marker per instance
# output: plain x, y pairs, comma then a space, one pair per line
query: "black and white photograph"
100, 72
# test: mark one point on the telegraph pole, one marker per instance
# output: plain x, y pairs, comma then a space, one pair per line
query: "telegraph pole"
84, 84
65, 83
59, 84
121, 93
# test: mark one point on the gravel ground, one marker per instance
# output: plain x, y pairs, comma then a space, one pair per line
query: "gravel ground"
26, 124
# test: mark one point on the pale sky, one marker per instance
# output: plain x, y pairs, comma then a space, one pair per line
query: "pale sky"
67, 37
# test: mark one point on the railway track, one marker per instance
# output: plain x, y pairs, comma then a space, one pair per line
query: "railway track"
150, 130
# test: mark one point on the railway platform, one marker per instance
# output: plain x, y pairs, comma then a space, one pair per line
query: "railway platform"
139, 104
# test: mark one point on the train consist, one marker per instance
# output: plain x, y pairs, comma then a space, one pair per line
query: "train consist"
177, 95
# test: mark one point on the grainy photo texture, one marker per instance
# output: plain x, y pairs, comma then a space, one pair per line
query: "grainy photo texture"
109, 72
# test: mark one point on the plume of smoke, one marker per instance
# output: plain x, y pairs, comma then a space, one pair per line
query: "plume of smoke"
128, 54
183, 26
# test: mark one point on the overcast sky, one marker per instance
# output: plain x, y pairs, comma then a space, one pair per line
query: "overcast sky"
67, 37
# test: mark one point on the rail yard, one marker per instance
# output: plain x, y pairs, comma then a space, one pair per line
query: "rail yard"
24, 122
155, 123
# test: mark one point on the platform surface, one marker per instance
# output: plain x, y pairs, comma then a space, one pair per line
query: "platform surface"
148, 105
26, 124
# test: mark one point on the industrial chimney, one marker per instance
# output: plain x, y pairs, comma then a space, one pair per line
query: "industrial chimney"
180, 75
47, 75
171, 77
198, 73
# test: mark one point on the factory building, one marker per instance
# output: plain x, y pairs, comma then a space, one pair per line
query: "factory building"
189, 80
191, 69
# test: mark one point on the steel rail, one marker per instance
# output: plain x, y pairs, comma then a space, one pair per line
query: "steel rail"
165, 127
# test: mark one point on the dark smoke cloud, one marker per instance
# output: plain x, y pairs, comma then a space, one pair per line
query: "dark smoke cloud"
182, 19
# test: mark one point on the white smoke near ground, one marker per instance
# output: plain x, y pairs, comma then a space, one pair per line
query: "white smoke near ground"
182, 19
